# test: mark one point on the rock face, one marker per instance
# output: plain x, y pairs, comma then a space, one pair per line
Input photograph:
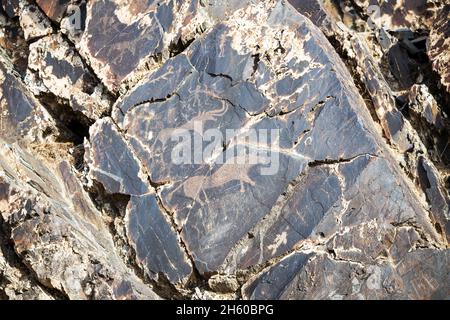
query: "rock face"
439, 46
61, 72
58, 233
223, 149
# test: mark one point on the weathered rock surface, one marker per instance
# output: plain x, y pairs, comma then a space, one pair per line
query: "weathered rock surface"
58, 232
54, 9
22, 117
55, 67
146, 33
439, 46
12, 41
223, 149
34, 23
305, 275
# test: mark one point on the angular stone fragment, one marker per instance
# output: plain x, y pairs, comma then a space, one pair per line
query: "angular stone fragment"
347, 193
138, 35
56, 68
423, 104
54, 9
22, 117
51, 216
223, 283
273, 282
112, 162
34, 23
156, 243
400, 14
404, 69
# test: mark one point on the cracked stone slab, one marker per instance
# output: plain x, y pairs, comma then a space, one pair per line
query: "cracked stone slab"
139, 32
327, 203
367, 70
317, 275
113, 163
399, 131
431, 183
155, 241
22, 117
51, 216
55, 67
145, 33
232, 216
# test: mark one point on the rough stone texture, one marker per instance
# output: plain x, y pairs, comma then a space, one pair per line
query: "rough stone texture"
54, 9
55, 67
439, 46
398, 14
22, 117
304, 276
34, 23
145, 33
351, 198
11, 7
155, 241
58, 232
13, 43
423, 104
412, 140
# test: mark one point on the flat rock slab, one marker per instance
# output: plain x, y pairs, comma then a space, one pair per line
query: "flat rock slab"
266, 68
123, 41
314, 276
115, 165
238, 159
155, 241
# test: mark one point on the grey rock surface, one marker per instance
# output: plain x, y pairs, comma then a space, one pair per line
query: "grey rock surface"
169, 149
